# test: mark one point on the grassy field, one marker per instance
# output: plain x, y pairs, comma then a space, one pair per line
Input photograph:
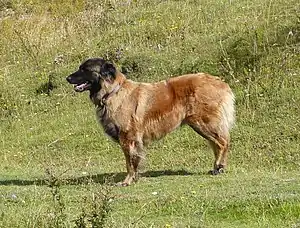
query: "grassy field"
57, 167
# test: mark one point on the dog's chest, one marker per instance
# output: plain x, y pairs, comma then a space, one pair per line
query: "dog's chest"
109, 127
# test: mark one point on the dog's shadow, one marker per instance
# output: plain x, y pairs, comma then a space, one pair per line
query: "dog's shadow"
109, 178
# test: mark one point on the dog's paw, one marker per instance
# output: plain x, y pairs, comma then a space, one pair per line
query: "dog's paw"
122, 184
216, 171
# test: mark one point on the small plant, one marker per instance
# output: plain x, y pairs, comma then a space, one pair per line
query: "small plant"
58, 216
135, 66
241, 55
8, 106
47, 87
96, 208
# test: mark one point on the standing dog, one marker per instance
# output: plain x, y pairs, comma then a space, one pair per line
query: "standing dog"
135, 113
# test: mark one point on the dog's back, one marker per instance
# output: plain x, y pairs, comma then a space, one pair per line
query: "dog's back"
155, 109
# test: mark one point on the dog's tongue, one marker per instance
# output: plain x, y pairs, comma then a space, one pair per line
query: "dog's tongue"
81, 87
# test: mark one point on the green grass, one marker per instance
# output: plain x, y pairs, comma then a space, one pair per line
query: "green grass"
45, 125
268, 199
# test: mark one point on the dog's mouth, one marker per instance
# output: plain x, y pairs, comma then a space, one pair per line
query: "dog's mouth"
82, 87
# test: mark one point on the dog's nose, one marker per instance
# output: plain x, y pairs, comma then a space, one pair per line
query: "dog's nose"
69, 79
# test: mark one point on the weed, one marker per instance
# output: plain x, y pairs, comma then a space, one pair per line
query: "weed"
58, 216
7, 107
241, 55
96, 208
47, 87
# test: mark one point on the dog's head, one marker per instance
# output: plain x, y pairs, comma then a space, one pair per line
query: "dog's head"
90, 74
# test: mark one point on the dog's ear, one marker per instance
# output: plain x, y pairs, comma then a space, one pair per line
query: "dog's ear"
108, 71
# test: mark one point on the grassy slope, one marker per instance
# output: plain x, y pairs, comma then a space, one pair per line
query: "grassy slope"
254, 45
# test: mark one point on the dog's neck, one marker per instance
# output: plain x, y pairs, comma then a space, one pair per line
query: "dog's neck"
107, 90
110, 94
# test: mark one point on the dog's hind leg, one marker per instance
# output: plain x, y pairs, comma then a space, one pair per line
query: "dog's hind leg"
220, 149
218, 139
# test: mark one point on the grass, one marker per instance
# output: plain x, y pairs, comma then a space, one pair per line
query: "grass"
192, 200
44, 125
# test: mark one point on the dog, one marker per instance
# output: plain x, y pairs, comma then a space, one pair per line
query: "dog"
134, 113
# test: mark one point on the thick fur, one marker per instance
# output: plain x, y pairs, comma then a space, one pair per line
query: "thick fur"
135, 113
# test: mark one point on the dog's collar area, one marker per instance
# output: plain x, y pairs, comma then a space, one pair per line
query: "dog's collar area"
110, 94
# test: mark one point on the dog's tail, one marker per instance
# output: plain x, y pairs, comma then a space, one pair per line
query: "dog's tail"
228, 111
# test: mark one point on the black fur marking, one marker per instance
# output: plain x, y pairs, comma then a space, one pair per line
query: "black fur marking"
108, 71
96, 87
109, 127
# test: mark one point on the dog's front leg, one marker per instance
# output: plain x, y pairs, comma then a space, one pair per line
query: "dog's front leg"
131, 166
132, 157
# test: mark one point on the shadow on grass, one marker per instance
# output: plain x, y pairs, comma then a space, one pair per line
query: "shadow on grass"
98, 178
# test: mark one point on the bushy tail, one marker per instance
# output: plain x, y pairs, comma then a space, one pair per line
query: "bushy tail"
228, 111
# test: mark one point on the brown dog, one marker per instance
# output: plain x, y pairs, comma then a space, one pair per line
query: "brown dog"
135, 113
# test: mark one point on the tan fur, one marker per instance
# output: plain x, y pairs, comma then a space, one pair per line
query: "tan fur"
148, 111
